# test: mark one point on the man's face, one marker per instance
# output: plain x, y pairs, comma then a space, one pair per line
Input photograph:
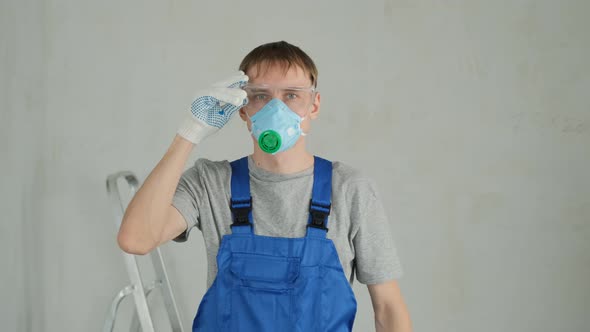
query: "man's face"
275, 76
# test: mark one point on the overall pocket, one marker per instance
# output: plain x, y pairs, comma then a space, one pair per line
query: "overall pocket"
262, 296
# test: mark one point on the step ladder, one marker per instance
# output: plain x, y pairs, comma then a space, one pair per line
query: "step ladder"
141, 317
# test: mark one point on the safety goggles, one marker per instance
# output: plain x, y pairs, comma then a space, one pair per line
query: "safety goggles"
299, 99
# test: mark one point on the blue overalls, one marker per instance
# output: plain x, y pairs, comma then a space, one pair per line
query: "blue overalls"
266, 284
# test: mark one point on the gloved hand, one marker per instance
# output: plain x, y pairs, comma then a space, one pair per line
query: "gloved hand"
214, 107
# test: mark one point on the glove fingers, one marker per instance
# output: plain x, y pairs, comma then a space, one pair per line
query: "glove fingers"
228, 110
232, 96
237, 80
215, 106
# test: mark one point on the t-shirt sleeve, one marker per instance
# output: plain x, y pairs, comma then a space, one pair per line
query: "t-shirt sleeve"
376, 258
186, 199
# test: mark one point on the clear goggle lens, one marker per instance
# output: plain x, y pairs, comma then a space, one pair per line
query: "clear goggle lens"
299, 99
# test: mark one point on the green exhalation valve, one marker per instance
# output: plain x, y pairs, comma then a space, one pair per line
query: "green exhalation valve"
269, 141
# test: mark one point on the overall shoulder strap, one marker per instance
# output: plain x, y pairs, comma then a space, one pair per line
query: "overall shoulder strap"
241, 200
321, 198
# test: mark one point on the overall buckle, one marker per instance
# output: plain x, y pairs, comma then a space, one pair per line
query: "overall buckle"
241, 211
319, 213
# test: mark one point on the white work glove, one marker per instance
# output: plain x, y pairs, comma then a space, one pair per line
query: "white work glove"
214, 107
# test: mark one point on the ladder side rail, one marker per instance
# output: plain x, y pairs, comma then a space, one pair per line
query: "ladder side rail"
130, 260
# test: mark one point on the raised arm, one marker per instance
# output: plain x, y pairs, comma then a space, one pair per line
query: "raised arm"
150, 219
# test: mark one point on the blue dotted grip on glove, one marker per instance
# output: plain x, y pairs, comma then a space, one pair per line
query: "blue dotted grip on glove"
210, 110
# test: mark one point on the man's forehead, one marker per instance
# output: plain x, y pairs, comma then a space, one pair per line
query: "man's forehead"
278, 74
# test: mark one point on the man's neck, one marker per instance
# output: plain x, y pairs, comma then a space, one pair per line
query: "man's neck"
291, 161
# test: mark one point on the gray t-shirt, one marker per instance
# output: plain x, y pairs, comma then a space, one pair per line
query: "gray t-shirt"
357, 224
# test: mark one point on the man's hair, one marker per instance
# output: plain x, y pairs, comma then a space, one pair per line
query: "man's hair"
283, 54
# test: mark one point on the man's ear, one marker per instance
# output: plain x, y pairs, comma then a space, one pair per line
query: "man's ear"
315, 111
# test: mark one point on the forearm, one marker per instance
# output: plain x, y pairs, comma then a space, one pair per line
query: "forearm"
390, 319
145, 216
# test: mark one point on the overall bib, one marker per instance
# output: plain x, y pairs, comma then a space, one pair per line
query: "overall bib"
268, 284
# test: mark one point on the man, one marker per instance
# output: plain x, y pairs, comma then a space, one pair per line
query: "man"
285, 231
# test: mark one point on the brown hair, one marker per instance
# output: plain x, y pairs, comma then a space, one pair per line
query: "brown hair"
282, 53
